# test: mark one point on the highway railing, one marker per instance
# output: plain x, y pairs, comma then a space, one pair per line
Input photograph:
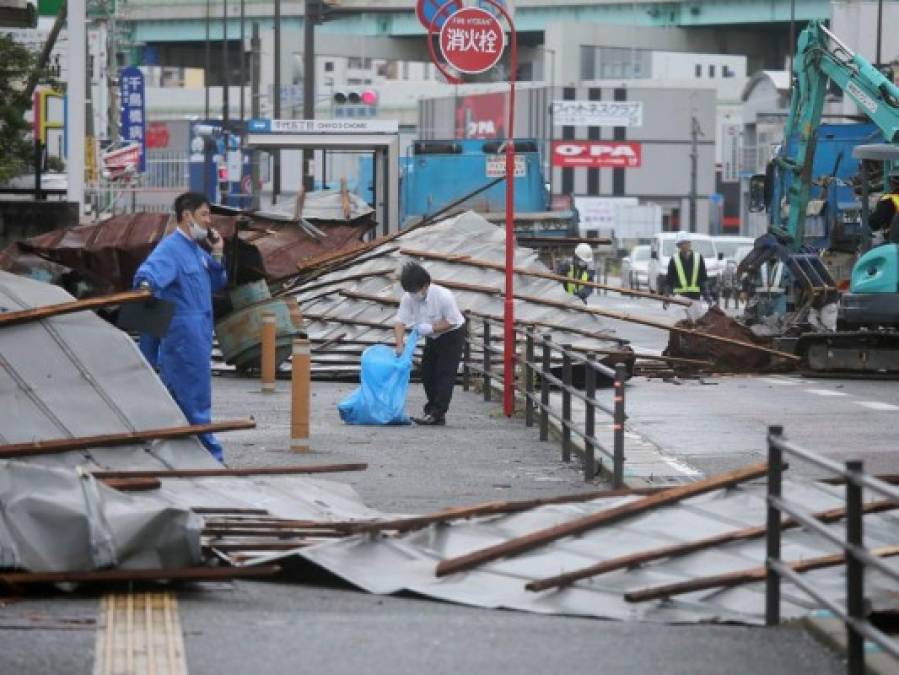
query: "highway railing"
858, 558
536, 379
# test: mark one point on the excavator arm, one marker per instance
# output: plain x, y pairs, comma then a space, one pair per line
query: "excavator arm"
821, 58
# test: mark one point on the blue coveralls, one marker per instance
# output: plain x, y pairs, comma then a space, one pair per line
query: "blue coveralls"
179, 271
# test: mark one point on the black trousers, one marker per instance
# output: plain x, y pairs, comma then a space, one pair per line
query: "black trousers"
439, 365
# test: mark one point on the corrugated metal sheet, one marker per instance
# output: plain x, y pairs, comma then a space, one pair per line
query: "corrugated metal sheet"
331, 315
386, 565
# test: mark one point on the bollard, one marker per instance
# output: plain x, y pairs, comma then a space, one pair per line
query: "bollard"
618, 421
589, 416
300, 397
267, 342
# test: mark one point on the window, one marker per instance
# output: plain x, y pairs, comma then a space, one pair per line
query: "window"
711, 70
698, 70
329, 66
354, 62
727, 72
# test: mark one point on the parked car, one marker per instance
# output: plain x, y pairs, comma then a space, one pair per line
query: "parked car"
729, 245
662, 248
635, 267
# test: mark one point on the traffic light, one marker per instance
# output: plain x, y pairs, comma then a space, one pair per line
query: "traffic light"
355, 103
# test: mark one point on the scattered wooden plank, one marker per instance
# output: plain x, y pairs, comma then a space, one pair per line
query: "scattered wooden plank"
540, 538
132, 484
676, 550
746, 576
13, 579
483, 509
539, 274
47, 311
126, 438
210, 473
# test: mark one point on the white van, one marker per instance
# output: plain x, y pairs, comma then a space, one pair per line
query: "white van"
661, 248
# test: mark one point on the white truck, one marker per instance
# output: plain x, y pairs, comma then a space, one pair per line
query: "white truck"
661, 248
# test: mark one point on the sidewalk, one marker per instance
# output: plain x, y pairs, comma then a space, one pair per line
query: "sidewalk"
478, 456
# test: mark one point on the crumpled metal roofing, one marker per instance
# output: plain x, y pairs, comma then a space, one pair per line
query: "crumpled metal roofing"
385, 565
330, 315
77, 375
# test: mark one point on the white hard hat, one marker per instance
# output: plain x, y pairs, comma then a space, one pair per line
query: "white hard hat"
681, 238
584, 252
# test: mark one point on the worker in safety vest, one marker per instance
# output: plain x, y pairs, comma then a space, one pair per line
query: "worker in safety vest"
768, 295
886, 208
578, 270
686, 272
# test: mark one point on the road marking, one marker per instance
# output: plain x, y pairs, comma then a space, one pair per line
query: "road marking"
140, 635
779, 380
824, 392
878, 405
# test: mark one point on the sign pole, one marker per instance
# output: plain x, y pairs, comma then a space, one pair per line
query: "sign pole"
468, 39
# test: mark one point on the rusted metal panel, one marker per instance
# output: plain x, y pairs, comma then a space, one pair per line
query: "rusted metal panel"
107, 254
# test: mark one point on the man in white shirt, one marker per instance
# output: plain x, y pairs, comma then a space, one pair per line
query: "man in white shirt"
432, 310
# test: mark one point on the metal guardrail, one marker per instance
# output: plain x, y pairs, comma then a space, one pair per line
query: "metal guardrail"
537, 399
858, 558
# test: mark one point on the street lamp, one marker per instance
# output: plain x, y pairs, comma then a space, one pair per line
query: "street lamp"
548, 137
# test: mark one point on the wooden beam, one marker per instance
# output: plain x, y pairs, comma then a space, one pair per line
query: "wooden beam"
548, 535
47, 311
484, 509
539, 274
747, 576
123, 575
209, 473
132, 484
126, 438
676, 550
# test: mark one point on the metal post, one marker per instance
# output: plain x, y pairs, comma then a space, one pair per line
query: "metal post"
589, 417
618, 426
566, 403
243, 65
38, 168
466, 355
694, 169
855, 569
877, 61
528, 377
309, 18
75, 113
276, 103
226, 76
775, 475
255, 77
206, 69
544, 388
487, 355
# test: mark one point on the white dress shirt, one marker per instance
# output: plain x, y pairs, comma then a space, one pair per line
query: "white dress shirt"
439, 304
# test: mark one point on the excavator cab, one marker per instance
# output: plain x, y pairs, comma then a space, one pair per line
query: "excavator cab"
873, 297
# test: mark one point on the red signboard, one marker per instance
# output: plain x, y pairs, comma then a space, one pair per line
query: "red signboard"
472, 40
157, 135
597, 154
481, 116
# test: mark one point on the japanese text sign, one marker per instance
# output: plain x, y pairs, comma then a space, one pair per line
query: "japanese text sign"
472, 40
597, 113
133, 124
597, 154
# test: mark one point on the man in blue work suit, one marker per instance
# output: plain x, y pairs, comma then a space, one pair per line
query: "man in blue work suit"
180, 271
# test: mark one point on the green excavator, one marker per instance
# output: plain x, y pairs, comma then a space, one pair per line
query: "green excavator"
864, 338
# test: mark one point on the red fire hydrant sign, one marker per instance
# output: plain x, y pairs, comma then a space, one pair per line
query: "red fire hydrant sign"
472, 40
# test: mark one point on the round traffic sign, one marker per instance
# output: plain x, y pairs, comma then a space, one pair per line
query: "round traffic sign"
426, 9
472, 40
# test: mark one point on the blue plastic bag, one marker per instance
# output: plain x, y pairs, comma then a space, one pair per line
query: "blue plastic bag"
381, 397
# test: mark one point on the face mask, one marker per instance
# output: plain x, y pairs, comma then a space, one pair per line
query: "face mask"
423, 295
198, 232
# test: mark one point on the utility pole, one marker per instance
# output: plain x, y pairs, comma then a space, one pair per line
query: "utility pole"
309, 19
255, 76
226, 77
695, 132
112, 70
208, 66
276, 104
243, 64
77, 30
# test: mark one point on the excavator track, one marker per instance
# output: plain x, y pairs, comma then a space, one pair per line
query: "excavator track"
868, 354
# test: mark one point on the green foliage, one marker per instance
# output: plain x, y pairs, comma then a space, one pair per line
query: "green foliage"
16, 63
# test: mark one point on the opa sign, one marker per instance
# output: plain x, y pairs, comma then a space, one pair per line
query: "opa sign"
597, 154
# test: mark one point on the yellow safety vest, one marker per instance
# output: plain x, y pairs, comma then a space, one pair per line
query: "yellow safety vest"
571, 287
684, 287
